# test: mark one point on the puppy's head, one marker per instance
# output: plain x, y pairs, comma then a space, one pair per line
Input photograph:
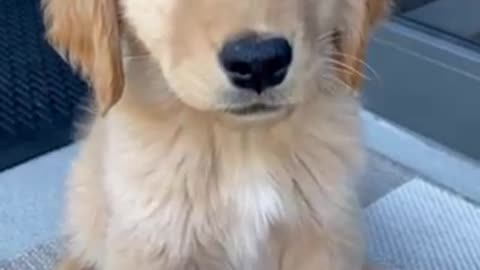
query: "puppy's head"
249, 58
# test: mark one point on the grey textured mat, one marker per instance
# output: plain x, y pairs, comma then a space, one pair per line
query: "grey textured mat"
381, 177
42, 257
421, 227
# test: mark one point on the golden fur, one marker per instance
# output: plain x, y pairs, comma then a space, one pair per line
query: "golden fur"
167, 179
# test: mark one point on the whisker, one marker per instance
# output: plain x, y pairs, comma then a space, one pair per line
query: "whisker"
352, 57
330, 37
336, 70
345, 67
325, 41
324, 36
333, 82
137, 56
336, 80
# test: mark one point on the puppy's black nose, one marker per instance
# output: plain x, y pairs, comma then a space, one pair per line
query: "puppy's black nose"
255, 64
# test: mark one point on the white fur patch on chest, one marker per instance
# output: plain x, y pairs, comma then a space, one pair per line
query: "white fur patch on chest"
155, 210
259, 202
259, 206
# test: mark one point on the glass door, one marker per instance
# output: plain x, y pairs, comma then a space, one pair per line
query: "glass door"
428, 61
427, 58
458, 18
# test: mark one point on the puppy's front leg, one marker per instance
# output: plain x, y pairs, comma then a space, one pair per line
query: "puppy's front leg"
324, 260
323, 250
69, 263
132, 262
119, 263
131, 254
120, 260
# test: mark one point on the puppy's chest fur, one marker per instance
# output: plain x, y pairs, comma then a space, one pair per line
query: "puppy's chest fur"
212, 199
227, 225
188, 199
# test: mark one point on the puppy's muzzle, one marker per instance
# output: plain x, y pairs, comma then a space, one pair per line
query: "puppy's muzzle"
254, 63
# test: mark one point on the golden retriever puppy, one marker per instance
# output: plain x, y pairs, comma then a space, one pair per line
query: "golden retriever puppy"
224, 134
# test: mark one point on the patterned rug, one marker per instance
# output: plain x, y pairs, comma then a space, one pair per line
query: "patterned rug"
39, 94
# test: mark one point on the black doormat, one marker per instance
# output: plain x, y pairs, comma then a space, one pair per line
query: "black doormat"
39, 94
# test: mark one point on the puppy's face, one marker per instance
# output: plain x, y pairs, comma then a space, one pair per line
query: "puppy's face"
251, 59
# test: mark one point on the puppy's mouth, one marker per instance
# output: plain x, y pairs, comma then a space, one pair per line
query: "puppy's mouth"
255, 109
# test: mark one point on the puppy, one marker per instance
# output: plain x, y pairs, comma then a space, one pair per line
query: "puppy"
224, 133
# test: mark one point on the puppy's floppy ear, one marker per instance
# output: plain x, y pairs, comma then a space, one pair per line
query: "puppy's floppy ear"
353, 39
86, 33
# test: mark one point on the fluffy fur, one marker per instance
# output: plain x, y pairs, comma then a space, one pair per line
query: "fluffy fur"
168, 179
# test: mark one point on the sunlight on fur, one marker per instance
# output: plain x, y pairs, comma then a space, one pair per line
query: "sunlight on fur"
224, 133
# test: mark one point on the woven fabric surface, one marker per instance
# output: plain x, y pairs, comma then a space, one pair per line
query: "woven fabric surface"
42, 257
421, 227
39, 93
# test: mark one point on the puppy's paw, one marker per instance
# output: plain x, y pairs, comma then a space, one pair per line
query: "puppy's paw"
70, 264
